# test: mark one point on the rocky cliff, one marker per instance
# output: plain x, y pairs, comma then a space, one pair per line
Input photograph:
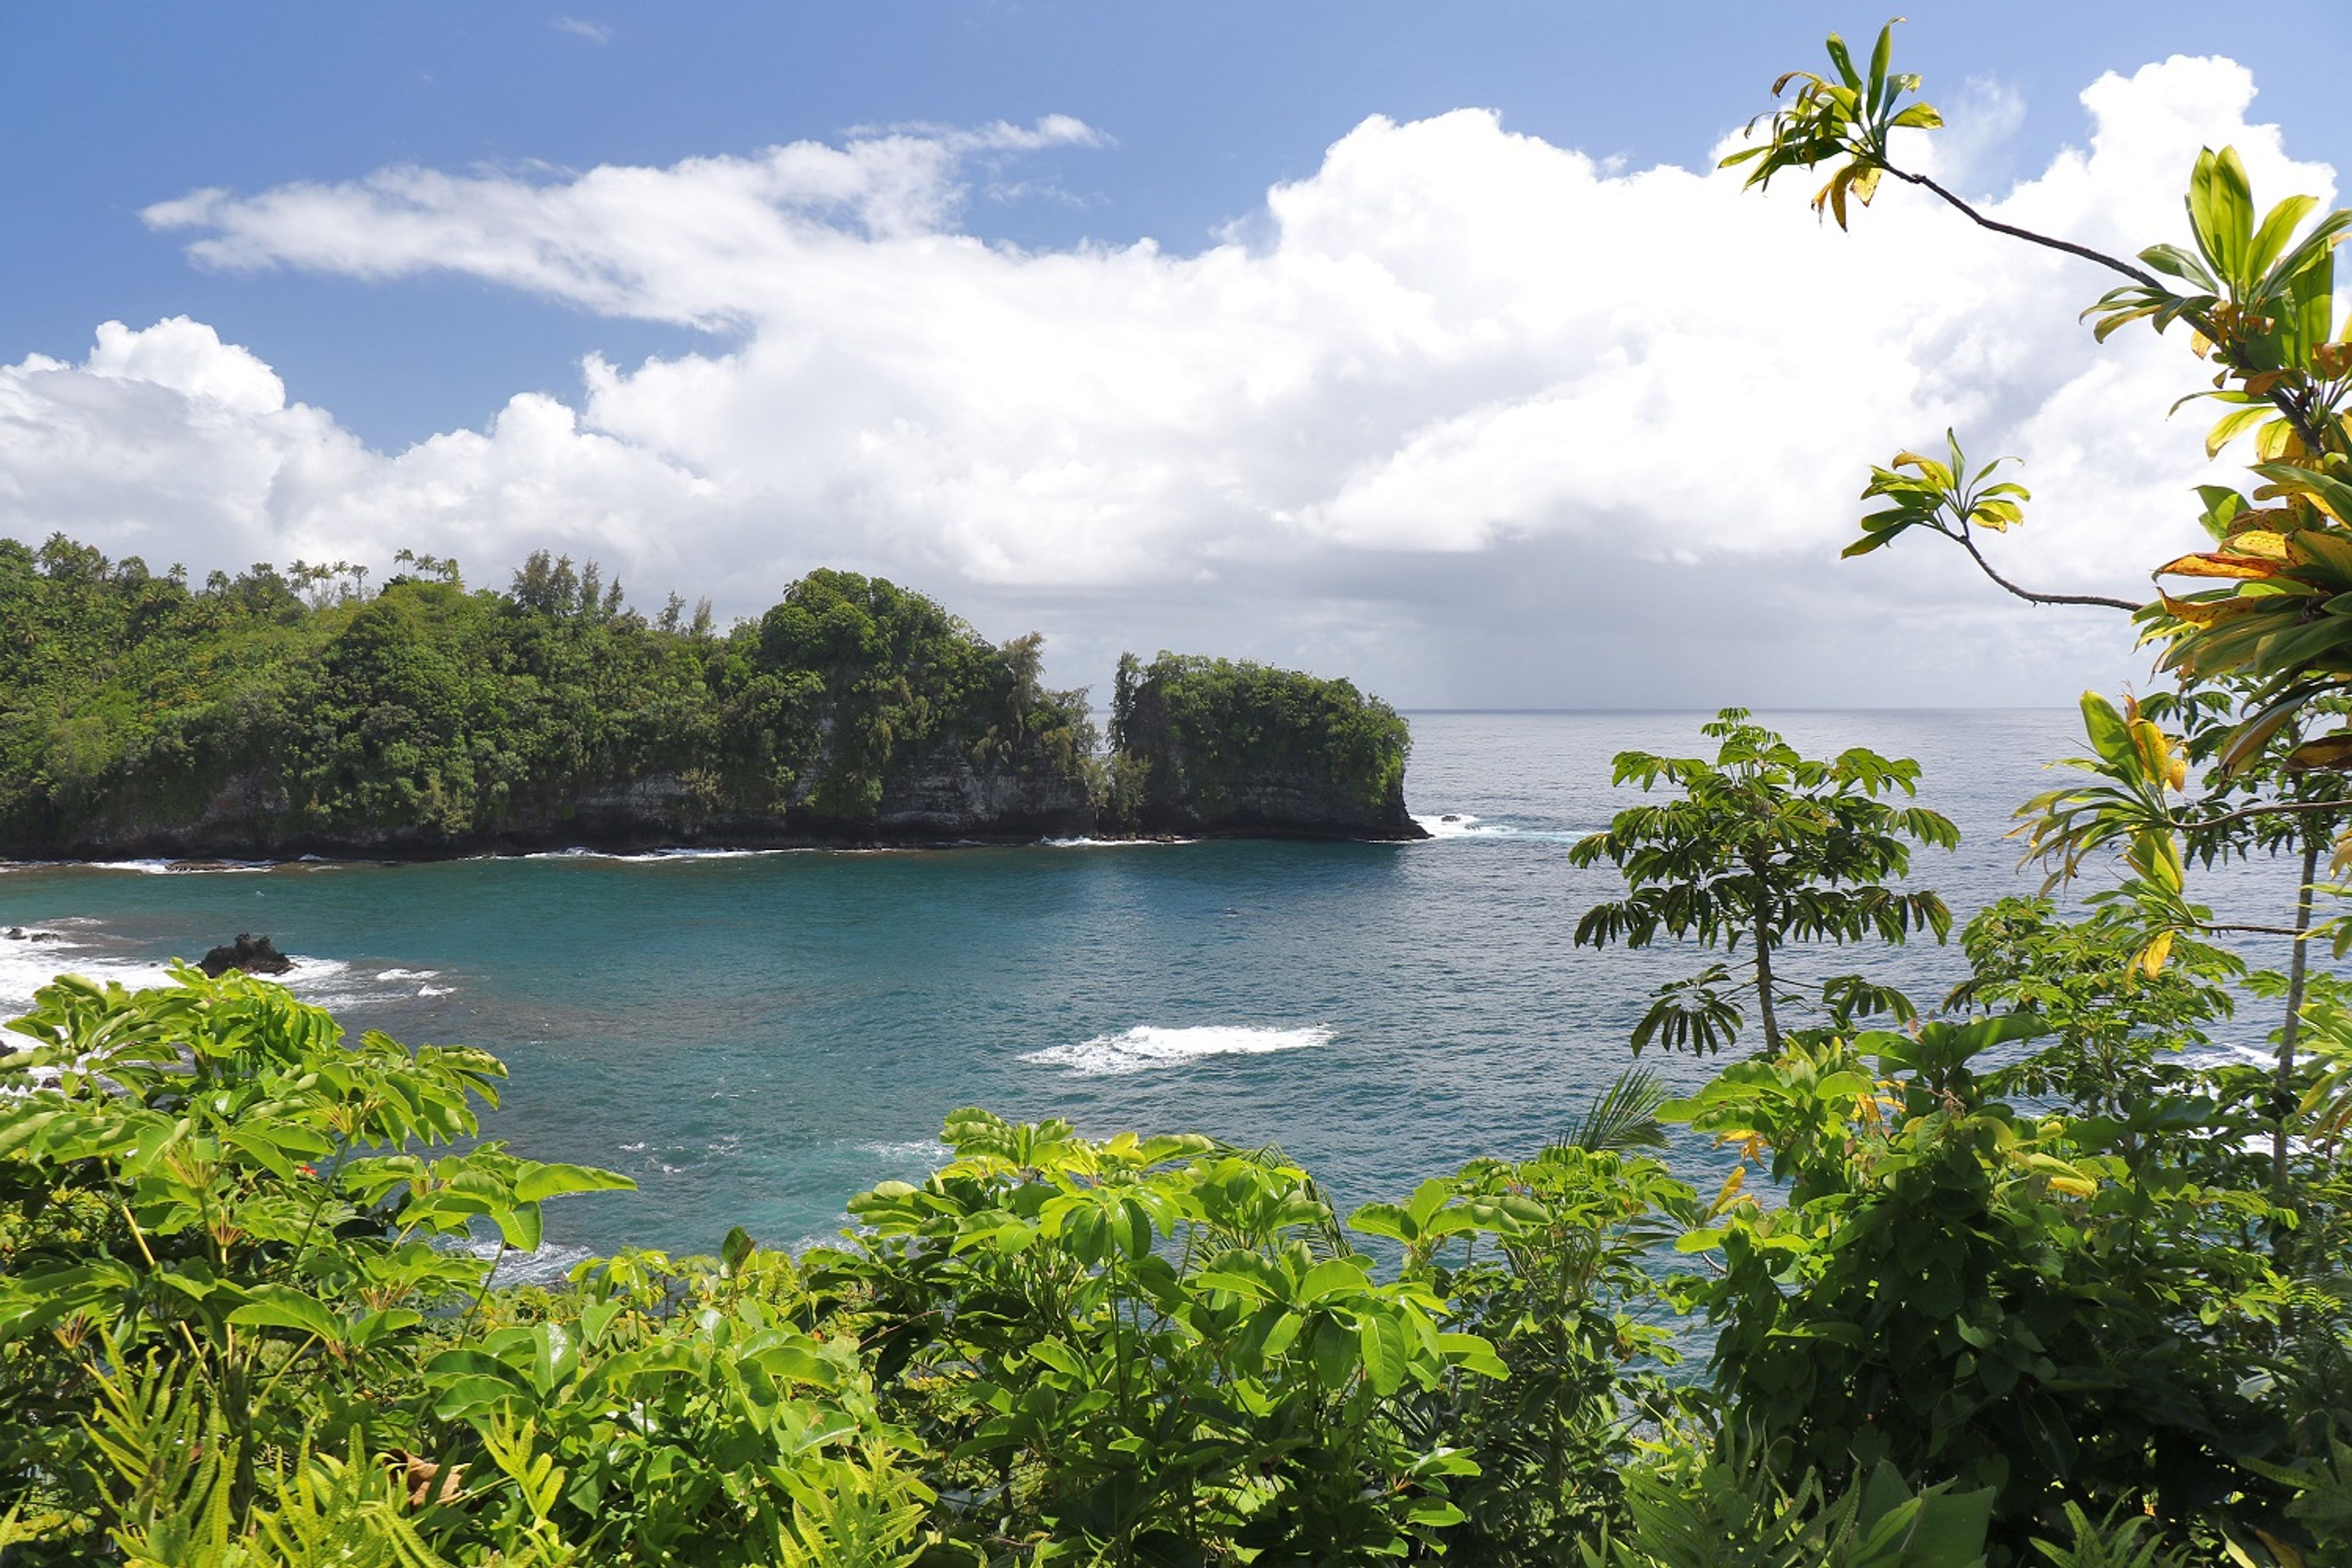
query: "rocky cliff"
939, 798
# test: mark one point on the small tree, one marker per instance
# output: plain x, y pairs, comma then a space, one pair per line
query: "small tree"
1764, 845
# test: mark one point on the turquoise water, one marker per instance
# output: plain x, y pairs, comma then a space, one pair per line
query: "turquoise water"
755, 1038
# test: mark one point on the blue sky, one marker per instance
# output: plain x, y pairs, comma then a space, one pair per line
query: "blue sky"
1199, 109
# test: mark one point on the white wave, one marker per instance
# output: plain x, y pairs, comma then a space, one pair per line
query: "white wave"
183, 868
1463, 824
1148, 1045
929, 1152
27, 966
77, 948
1111, 843
683, 854
653, 857
550, 1263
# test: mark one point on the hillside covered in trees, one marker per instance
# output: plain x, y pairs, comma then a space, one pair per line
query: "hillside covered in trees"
298, 711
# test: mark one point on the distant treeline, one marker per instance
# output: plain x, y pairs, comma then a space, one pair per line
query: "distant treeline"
275, 712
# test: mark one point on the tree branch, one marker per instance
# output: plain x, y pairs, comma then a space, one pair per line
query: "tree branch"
2027, 594
2296, 413
2113, 264
2300, 936
2275, 808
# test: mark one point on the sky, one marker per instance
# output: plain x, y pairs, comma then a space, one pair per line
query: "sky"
1414, 344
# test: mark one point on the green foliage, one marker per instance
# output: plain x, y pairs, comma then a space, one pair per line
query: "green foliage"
1151, 1350
882, 673
1200, 739
1762, 844
2045, 1308
1728, 1508
1851, 116
2112, 1021
1941, 496
134, 709
1564, 1293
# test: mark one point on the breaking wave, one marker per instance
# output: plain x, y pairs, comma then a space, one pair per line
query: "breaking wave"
1149, 1046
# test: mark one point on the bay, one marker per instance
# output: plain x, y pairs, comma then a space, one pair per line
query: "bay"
753, 1038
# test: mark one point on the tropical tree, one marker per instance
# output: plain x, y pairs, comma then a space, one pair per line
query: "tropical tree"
2257, 291
1766, 847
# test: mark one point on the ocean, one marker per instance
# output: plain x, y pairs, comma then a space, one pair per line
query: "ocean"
755, 1037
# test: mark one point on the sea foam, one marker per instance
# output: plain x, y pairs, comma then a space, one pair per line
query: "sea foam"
1462, 825
1148, 1045
78, 946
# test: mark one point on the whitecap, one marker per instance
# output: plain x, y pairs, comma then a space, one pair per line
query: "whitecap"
1148, 1045
650, 857
407, 973
929, 1152
549, 1264
434, 990
687, 854
1463, 824
27, 966
1090, 843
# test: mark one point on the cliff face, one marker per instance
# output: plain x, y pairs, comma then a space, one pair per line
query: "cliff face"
939, 799
1210, 747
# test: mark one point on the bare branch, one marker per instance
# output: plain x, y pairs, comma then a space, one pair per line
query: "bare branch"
2296, 415
2027, 594
2101, 257
2274, 808
2302, 935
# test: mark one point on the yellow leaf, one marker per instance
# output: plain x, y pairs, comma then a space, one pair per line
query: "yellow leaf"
2328, 752
2275, 518
2259, 542
2204, 612
2151, 957
2326, 547
2215, 565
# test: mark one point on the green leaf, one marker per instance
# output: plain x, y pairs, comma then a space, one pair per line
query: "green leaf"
736, 1250
1334, 1349
538, 1181
283, 1307
1385, 1350
1331, 1278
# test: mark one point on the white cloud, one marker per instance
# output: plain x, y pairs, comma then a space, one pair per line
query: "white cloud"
1449, 344
594, 32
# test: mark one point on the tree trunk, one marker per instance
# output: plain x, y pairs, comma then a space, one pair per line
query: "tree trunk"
2298, 967
1764, 973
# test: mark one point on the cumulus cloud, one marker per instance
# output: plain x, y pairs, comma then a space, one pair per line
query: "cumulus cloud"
594, 32
1468, 414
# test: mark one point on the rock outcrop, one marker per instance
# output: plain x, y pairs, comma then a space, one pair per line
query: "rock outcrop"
251, 954
1213, 748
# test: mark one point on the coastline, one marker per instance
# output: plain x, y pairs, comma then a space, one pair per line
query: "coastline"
154, 858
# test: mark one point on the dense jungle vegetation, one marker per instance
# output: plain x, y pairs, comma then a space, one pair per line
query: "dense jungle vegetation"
1200, 743
283, 710
278, 712
2047, 1271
